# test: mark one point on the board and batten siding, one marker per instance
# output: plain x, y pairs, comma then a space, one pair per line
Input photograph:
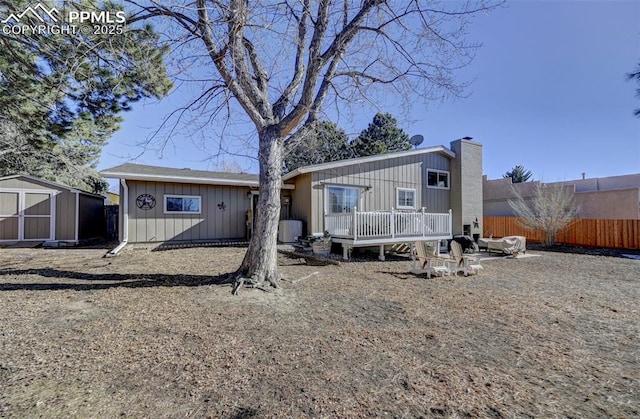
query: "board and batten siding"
64, 209
301, 201
378, 182
66, 216
434, 199
212, 223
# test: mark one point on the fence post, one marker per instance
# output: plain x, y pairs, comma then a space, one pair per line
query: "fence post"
450, 223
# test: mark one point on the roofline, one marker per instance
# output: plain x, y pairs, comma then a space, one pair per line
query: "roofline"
52, 183
186, 179
367, 159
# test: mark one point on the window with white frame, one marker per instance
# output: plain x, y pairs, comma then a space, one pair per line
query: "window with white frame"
341, 199
437, 179
405, 198
182, 204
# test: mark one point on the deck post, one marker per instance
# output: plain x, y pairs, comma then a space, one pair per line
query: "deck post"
393, 225
345, 251
450, 223
381, 255
423, 222
354, 224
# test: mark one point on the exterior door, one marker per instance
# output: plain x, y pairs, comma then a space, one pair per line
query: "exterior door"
9, 216
26, 216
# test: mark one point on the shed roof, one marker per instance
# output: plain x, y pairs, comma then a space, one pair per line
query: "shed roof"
52, 184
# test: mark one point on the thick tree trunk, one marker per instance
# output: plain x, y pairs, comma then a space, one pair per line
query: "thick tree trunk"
260, 262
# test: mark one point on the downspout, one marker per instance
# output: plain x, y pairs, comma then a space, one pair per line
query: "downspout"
125, 219
76, 235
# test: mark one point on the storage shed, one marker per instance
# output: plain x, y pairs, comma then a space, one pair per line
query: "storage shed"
33, 209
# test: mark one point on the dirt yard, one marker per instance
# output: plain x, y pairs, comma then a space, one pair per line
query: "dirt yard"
150, 334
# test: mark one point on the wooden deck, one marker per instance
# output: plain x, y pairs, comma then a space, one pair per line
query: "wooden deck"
380, 228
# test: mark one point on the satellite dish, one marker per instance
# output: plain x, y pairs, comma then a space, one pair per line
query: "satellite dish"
416, 140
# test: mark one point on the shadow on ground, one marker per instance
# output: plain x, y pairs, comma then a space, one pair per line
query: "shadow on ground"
107, 280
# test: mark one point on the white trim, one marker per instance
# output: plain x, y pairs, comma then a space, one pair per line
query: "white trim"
51, 191
438, 171
415, 198
368, 159
125, 212
164, 203
124, 205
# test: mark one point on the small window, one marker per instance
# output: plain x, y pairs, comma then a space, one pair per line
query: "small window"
405, 198
438, 179
181, 204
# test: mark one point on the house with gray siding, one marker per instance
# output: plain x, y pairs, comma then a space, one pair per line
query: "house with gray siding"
427, 193
33, 209
161, 204
392, 198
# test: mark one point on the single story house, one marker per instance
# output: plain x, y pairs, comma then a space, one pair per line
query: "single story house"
33, 209
427, 193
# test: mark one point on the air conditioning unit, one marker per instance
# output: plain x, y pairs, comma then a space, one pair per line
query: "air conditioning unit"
289, 231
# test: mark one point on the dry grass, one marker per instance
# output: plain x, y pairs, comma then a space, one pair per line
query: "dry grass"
150, 334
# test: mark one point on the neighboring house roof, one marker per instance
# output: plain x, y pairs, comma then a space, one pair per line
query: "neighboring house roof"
51, 183
361, 160
132, 171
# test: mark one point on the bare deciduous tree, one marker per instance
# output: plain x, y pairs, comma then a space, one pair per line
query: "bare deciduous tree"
551, 209
283, 62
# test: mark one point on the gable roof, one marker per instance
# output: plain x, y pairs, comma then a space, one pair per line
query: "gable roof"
132, 171
51, 183
368, 159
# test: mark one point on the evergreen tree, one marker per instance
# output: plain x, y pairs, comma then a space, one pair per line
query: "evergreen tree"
518, 174
61, 94
326, 142
381, 136
635, 76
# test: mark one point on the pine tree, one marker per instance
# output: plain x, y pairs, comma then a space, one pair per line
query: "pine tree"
518, 174
381, 136
326, 142
61, 95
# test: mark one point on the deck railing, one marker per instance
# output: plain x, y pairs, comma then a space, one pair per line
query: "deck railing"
388, 224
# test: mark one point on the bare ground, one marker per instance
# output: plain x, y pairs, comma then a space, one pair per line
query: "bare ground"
151, 334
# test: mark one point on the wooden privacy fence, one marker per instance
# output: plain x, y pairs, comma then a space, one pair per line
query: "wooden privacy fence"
618, 234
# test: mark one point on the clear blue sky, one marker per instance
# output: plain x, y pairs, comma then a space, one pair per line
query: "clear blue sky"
549, 92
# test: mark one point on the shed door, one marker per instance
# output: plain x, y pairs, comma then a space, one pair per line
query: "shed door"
9, 215
25, 216
37, 216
